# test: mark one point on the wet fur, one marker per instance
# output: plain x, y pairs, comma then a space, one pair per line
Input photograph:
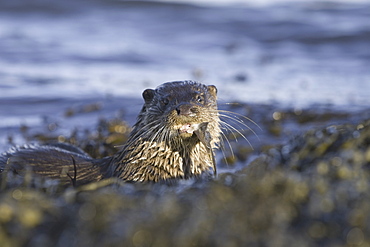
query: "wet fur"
64, 162
154, 152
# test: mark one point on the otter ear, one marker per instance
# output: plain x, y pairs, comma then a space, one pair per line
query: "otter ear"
148, 95
212, 90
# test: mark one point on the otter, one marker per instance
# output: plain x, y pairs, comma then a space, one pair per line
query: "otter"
175, 137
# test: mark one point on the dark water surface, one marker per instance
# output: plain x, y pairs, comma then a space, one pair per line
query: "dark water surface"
57, 55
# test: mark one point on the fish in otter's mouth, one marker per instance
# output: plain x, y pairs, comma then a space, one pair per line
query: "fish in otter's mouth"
187, 128
203, 135
190, 129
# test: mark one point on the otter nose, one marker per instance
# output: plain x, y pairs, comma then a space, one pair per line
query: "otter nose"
185, 109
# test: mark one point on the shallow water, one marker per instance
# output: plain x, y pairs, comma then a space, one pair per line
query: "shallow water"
54, 56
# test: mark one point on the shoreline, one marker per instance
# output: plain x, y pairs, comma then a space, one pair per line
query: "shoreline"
267, 125
310, 191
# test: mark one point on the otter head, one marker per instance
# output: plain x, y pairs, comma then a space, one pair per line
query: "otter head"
174, 136
184, 107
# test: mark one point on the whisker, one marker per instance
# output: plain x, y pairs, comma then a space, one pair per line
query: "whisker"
159, 134
236, 115
142, 134
237, 131
226, 127
163, 136
241, 123
224, 137
236, 118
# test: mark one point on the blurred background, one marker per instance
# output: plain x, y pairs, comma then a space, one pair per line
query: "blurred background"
55, 55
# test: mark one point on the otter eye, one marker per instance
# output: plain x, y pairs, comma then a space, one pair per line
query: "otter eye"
165, 101
200, 98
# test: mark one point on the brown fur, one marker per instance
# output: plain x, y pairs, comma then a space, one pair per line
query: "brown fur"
174, 137
156, 150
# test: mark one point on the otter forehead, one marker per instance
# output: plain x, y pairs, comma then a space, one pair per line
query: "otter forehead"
177, 87
172, 94
181, 90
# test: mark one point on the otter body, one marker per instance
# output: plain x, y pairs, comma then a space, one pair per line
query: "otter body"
65, 163
176, 133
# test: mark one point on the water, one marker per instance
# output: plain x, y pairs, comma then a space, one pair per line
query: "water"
54, 55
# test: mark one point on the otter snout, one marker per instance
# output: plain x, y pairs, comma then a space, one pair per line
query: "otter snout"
186, 109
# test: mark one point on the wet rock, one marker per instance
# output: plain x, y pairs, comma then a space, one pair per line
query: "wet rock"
309, 191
